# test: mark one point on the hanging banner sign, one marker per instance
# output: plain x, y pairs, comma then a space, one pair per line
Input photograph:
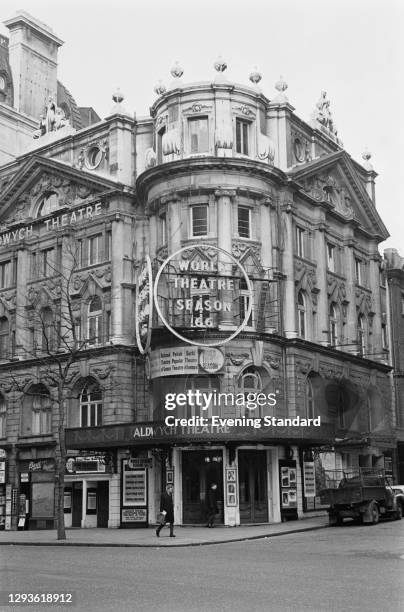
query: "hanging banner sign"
174, 361
198, 288
144, 305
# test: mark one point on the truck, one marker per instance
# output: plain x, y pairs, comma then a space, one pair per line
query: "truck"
362, 494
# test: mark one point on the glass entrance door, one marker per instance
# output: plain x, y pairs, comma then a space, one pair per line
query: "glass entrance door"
253, 490
200, 469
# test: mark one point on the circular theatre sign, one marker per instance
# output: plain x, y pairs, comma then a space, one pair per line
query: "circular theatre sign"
197, 288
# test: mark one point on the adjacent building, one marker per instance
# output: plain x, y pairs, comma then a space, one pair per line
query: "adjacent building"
250, 218
394, 275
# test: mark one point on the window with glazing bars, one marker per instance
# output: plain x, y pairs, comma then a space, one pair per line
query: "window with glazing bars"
199, 220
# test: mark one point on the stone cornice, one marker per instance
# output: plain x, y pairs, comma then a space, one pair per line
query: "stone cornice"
188, 166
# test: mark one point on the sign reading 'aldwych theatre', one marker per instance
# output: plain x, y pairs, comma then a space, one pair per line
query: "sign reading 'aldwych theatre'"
151, 434
52, 223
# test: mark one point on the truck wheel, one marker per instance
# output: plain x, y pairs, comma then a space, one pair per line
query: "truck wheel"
374, 513
334, 519
399, 512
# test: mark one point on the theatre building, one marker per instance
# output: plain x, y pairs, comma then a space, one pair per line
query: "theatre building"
217, 265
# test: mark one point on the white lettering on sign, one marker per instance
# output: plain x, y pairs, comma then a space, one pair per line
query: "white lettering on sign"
211, 293
85, 213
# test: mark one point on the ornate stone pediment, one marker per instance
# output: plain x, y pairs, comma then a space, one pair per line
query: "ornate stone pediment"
23, 194
249, 255
88, 284
45, 294
336, 182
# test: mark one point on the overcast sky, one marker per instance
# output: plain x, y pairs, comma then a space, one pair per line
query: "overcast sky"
353, 49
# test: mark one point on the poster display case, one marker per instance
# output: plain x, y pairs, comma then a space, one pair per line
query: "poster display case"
288, 489
134, 508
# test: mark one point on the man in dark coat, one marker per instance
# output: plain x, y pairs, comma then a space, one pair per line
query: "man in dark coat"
167, 508
211, 504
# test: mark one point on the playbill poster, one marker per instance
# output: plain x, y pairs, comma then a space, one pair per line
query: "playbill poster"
201, 305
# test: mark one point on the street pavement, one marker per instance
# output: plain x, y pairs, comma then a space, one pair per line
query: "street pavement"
340, 569
185, 536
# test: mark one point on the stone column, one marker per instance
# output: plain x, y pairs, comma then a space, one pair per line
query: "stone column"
224, 199
173, 222
118, 246
374, 283
23, 347
351, 318
84, 504
322, 304
289, 305
266, 233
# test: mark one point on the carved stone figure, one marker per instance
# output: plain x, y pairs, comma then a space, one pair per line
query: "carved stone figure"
323, 114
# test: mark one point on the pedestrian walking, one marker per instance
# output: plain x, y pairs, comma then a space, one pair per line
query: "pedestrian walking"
211, 504
167, 510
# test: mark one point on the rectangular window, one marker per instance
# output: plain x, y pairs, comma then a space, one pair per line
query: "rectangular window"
331, 257
48, 262
300, 240
77, 328
358, 271
385, 343
2, 424
198, 135
67, 500
41, 422
84, 411
199, 220
94, 329
244, 222
91, 414
244, 302
79, 258
94, 249
108, 246
5, 274
163, 226
242, 136
108, 326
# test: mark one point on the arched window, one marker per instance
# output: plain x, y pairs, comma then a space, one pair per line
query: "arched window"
333, 322
361, 335
37, 412
94, 320
250, 384
91, 406
3, 418
301, 315
49, 203
4, 338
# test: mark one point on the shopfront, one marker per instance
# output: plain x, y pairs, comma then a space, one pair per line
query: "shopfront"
87, 489
245, 462
37, 493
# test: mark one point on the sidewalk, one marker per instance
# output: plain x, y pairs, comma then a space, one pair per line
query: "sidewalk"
185, 536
